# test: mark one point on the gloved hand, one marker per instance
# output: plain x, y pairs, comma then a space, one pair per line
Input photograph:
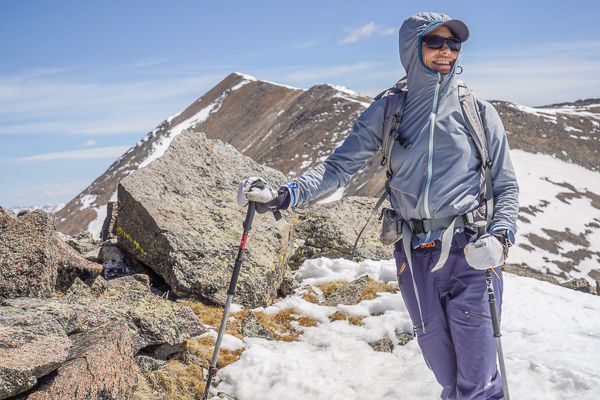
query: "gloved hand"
258, 190
485, 252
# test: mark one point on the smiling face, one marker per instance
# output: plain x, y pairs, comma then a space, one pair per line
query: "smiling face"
440, 60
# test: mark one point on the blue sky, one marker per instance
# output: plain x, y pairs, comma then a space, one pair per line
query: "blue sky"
80, 81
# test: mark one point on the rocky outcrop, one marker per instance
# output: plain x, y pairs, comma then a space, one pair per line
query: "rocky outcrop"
100, 365
6, 217
330, 230
152, 320
581, 285
35, 262
32, 344
180, 217
82, 345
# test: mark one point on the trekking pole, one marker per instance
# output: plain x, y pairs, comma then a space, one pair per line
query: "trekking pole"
212, 372
495, 320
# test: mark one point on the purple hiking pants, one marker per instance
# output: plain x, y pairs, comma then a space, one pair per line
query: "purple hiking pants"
457, 342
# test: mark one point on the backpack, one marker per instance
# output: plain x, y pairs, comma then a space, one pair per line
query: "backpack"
393, 112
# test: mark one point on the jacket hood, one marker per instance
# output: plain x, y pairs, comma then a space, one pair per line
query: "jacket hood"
415, 26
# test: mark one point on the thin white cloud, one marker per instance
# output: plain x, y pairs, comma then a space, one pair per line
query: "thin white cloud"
305, 45
103, 152
535, 75
90, 142
50, 103
44, 193
365, 32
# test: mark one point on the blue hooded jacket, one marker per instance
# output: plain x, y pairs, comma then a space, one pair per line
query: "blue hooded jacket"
439, 175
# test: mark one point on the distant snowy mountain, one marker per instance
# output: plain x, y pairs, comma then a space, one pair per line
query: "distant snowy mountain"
56, 207
285, 128
555, 148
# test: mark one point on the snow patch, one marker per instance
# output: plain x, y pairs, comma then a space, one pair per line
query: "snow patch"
87, 200
550, 336
95, 226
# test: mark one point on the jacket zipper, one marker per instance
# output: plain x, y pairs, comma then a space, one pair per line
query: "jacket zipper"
430, 158
469, 313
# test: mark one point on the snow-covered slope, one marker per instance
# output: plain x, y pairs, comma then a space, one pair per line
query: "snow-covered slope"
551, 341
559, 218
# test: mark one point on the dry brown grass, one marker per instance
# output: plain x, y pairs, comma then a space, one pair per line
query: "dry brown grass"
280, 324
174, 381
373, 287
212, 315
339, 316
311, 296
204, 347
355, 320
329, 287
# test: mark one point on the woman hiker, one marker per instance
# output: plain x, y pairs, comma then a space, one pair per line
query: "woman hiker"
435, 187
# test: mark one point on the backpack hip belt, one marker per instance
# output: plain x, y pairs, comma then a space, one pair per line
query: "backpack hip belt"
418, 226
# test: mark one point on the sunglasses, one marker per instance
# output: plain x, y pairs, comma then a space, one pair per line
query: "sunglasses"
437, 42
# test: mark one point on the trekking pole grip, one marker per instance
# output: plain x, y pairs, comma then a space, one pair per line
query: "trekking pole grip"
492, 301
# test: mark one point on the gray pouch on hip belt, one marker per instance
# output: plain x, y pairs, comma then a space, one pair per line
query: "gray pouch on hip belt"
391, 227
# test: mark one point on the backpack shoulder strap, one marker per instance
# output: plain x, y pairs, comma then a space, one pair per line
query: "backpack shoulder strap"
470, 109
394, 109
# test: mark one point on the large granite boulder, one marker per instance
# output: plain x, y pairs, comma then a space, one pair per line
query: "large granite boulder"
179, 216
330, 230
32, 344
28, 256
100, 366
152, 320
35, 262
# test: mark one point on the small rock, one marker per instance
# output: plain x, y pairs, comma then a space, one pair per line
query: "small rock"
252, 328
165, 350
404, 337
384, 345
83, 242
118, 263
99, 287
78, 288
148, 364
349, 294
581, 285
109, 227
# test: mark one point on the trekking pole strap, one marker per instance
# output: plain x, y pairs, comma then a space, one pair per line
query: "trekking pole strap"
379, 203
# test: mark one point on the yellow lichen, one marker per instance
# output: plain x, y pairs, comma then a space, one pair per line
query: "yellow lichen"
120, 232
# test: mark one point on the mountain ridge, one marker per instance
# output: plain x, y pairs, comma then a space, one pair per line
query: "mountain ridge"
293, 130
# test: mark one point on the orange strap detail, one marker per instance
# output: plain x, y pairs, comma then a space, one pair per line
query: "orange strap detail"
496, 274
